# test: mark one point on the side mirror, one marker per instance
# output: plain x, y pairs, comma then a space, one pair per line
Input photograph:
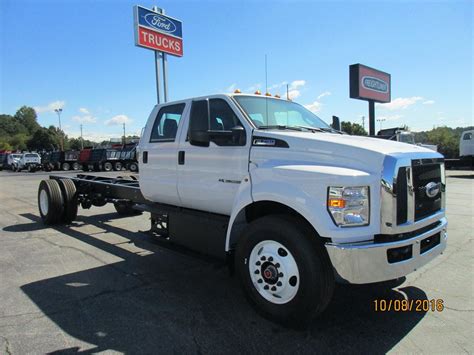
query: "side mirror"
199, 138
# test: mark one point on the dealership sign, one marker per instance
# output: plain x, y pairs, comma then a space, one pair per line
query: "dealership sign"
158, 32
369, 84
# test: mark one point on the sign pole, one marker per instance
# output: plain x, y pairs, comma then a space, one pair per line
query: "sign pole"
371, 118
165, 72
158, 79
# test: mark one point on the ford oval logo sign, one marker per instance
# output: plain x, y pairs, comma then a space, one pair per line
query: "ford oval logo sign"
375, 84
160, 23
432, 189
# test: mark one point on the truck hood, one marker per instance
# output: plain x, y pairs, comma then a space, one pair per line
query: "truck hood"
362, 153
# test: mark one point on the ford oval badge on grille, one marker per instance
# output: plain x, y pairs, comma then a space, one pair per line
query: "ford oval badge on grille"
432, 189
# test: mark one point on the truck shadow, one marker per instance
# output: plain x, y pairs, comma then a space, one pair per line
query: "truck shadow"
161, 301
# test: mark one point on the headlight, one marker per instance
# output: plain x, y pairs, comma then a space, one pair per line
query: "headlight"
349, 206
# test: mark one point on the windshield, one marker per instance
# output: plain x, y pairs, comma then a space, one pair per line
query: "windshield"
16, 156
267, 111
31, 155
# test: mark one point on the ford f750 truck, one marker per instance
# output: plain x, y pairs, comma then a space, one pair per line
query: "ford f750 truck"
268, 186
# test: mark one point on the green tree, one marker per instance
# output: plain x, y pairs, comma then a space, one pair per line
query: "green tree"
9, 126
18, 141
43, 139
27, 117
353, 128
446, 140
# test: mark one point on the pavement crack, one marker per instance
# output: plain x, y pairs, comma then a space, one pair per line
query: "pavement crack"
7, 346
459, 310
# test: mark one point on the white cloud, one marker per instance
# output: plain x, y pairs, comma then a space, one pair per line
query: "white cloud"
326, 93
118, 120
50, 107
84, 111
401, 103
84, 119
428, 102
315, 107
253, 88
231, 88
297, 83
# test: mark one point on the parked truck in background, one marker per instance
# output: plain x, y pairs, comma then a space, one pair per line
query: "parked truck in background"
27, 161
268, 186
401, 134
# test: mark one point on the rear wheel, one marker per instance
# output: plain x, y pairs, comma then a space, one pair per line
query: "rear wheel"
50, 202
68, 190
118, 166
108, 166
66, 166
75, 166
133, 167
286, 275
85, 167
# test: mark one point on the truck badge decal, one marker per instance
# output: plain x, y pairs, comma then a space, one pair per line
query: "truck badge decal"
374, 84
263, 141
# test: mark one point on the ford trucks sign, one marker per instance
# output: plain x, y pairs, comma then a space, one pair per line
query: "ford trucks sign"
158, 32
369, 84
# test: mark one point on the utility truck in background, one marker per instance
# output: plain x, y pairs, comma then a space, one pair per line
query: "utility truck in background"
401, 134
27, 161
266, 185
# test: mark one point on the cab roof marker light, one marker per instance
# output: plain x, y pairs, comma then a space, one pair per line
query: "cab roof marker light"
258, 92
237, 91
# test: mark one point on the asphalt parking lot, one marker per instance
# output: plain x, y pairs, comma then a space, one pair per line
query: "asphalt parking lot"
102, 285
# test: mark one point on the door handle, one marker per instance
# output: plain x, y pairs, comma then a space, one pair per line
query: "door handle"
145, 157
181, 157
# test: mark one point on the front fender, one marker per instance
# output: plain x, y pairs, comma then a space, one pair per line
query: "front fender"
304, 189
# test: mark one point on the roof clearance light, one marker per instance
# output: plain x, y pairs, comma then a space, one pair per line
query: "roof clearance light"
258, 92
277, 96
268, 94
237, 91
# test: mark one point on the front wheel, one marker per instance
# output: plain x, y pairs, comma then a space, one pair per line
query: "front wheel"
66, 167
284, 270
133, 167
108, 166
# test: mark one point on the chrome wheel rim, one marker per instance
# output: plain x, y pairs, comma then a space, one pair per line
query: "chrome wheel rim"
44, 203
274, 272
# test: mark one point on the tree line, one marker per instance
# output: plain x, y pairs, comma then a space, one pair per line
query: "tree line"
23, 132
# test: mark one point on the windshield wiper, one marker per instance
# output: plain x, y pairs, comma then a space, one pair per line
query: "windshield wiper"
282, 127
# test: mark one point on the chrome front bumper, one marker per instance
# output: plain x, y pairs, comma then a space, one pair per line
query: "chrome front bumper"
368, 262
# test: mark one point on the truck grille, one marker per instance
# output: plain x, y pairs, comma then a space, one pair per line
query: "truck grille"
424, 174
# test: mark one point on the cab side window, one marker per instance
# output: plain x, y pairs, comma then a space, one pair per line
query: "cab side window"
166, 123
467, 136
215, 115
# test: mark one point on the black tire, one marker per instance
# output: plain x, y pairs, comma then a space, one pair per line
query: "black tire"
126, 209
85, 167
50, 202
133, 167
30, 169
75, 166
68, 190
316, 276
108, 166
66, 166
118, 166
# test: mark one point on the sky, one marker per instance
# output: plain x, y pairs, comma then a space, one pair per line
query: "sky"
80, 56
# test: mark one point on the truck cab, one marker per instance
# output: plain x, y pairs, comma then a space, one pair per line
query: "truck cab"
28, 161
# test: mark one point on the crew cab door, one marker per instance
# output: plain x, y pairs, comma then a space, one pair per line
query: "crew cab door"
209, 175
159, 147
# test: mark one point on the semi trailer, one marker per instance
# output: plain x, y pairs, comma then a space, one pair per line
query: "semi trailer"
290, 203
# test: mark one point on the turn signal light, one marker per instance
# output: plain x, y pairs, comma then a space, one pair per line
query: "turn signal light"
237, 91
336, 203
258, 92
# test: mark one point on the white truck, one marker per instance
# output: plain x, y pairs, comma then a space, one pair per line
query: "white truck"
28, 161
268, 186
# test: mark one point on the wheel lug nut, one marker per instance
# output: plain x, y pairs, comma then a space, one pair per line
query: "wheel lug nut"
277, 265
270, 258
263, 258
259, 281
280, 274
258, 263
265, 287
257, 272
279, 283
274, 288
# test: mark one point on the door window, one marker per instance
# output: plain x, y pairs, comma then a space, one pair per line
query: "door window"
166, 123
467, 136
215, 115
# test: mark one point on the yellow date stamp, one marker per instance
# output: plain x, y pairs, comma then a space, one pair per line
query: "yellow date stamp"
433, 305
